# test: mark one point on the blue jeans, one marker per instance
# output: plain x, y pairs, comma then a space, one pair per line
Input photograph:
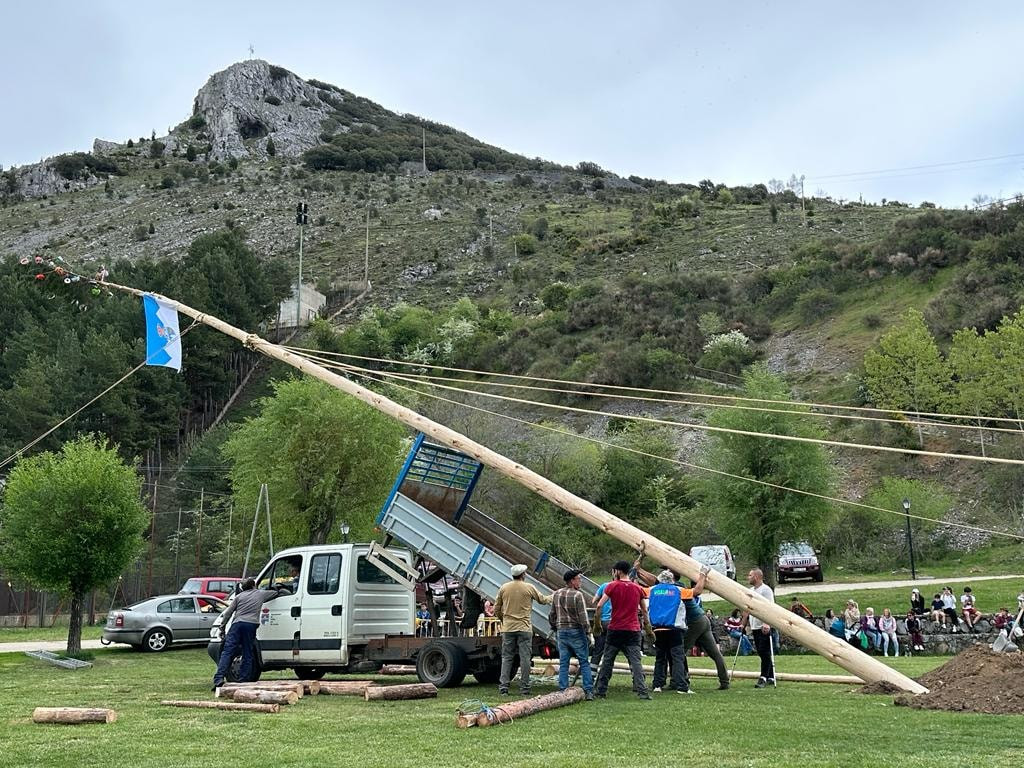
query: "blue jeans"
241, 636
573, 642
745, 648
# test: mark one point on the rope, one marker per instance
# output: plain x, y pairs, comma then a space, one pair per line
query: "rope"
617, 387
477, 706
690, 425
690, 465
68, 418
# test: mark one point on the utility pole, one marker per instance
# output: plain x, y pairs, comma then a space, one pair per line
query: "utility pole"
424, 149
366, 253
199, 530
177, 550
910, 540
803, 206
301, 219
490, 225
227, 555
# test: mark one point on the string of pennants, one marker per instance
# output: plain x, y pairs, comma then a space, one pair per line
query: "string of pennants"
47, 269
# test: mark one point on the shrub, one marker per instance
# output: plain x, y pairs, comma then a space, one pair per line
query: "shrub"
168, 182
197, 121
815, 303
525, 244
140, 233
271, 148
156, 148
190, 153
555, 296
278, 73
272, 100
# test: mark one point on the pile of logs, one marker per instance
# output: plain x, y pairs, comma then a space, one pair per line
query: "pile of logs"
271, 695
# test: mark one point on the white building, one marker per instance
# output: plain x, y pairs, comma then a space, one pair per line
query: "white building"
309, 304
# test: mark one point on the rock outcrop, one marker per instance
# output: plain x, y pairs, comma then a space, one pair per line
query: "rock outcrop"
251, 101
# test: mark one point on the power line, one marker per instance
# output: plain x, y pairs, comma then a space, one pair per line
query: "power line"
370, 376
702, 427
619, 388
914, 167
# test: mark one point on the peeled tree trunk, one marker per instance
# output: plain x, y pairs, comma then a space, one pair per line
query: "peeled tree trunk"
832, 648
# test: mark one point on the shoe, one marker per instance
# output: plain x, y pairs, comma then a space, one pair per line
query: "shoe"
771, 682
688, 690
215, 687
601, 695
657, 690
761, 683
644, 696
589, 696
723, 686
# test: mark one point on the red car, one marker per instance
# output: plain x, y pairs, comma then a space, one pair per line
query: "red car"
218, 586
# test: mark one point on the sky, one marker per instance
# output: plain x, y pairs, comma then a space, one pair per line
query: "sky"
906, 101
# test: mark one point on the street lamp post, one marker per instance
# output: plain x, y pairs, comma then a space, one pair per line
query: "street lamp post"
910, 538
301, 220
344, 532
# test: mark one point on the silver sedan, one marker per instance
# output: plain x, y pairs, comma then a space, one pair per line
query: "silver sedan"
157, 623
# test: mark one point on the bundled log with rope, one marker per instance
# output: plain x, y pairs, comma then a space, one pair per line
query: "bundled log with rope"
514, 710
815, 638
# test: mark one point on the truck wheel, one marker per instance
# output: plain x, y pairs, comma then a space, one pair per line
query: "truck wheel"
234, 673
488, 675
819, 577
441, 663
309, 673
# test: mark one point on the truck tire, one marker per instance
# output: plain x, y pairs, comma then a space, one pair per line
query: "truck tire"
309, 673
441, 663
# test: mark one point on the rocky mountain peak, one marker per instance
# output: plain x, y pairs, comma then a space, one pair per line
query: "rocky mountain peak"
252, 100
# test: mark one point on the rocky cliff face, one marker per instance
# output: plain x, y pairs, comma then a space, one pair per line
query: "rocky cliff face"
252, 100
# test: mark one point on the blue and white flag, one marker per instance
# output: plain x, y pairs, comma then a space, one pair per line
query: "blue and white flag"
163, 340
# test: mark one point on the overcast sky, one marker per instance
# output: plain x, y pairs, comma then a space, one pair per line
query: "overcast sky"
738, 92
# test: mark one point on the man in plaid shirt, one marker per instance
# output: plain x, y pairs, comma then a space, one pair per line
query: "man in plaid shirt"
568, 616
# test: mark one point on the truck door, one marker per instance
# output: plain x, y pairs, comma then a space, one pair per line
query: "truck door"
278, 633
323, 611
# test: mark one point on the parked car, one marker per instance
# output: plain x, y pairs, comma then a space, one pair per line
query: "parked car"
218, 586
157, 623
716, 556
798, 560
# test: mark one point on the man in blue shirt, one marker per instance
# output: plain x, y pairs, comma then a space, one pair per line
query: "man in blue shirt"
599, 637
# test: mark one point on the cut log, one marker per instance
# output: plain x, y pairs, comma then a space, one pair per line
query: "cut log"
298, 686
311, 687
398, 669
393, 692
466, 721
256, 696
508, 713
73, 715
345, 687
232, 705
791, 677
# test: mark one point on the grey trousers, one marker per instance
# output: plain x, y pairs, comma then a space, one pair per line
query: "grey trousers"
511, 643
699, 633
629, 644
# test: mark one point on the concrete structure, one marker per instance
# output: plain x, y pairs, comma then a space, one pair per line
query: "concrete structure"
311, 303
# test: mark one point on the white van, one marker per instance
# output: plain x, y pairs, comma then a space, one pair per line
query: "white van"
340, 601
715, 556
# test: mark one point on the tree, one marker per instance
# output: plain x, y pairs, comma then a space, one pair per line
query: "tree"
973, 364
907, 371
271, 149
71, 522
755, 519
190, 153
324, 455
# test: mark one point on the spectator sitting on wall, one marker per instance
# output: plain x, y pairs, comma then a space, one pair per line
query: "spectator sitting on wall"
938, 614
914, 630
969, 609
801, 610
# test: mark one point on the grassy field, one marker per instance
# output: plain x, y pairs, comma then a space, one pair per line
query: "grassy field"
820, 725
60, 632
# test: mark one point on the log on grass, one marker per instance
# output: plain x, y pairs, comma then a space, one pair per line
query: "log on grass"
394, 692
256, 696
73, 715
232, 705
466, 721
345, 687
786, 677
298, 686
508, 713
398, 669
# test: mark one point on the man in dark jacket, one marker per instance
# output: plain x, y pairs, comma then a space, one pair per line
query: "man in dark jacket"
242, 634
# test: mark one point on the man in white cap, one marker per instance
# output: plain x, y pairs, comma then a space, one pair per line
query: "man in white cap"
512, 608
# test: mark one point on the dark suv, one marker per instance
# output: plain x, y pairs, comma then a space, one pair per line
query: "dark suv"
797, 560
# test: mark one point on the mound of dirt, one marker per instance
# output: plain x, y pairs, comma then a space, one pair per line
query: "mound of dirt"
976, 680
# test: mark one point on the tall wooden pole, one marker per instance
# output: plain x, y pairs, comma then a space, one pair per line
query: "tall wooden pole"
832, 648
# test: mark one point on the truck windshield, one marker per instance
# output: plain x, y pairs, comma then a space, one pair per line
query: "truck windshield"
192, 587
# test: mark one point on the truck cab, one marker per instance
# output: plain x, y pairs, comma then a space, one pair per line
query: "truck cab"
334, 603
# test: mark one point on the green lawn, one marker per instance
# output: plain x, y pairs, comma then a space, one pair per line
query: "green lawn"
796, 724
59, 632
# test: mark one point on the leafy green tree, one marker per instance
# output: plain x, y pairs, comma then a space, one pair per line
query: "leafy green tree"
972, 362
1008, 350
324, 455
71, 522
907, 372
271, 149
755, 519
888, 531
